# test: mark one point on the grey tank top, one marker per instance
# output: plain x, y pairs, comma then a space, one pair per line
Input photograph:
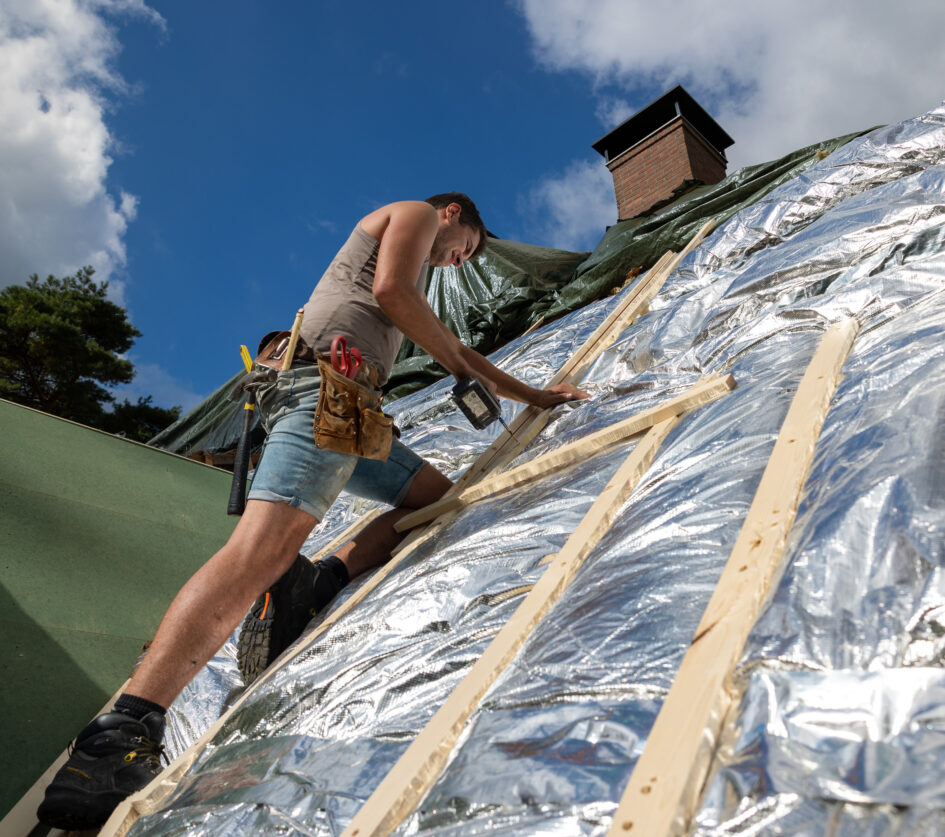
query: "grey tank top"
343, 304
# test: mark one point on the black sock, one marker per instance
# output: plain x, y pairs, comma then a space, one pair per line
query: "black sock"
136, 707
332, 575
338, 569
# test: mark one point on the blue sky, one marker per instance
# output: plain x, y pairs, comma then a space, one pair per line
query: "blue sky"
259, 138
208, 158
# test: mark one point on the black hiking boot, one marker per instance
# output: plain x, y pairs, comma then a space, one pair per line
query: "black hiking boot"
114, 756
279, 615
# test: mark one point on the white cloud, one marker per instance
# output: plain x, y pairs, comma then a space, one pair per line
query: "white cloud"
572, 210
165, 390
775, 76
56, 213
612, 110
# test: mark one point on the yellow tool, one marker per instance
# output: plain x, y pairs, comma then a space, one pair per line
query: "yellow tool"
248, 386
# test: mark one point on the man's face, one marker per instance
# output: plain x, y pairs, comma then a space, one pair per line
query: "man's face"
454, 242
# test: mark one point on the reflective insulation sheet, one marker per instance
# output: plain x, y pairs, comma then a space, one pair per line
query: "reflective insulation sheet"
840, 726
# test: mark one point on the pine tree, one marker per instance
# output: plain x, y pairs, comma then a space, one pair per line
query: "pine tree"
61, 342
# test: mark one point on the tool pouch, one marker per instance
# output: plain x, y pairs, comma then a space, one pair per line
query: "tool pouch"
348, 418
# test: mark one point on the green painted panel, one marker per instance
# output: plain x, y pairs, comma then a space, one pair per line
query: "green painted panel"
97, 534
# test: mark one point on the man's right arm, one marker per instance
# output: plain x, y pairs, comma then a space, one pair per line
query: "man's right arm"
405, 244
406, 240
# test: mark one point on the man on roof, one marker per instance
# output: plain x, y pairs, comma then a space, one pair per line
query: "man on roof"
372, 294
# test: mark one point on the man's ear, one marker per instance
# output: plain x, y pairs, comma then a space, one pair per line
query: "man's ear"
453, 210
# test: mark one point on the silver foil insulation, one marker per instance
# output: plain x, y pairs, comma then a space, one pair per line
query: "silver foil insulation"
841, 725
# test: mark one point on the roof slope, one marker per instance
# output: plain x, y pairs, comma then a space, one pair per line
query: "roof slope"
855, 617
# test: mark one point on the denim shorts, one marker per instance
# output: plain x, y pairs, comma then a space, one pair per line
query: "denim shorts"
292, 470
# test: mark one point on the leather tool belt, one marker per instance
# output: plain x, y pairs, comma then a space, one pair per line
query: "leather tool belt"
272, 349
348, 418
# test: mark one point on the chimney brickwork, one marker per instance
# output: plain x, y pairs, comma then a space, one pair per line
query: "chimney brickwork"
655, 167
706, 163
667, 144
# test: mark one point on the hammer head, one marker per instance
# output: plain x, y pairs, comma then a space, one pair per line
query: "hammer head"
251, 382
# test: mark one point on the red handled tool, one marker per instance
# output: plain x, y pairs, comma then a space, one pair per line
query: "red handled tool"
345, 361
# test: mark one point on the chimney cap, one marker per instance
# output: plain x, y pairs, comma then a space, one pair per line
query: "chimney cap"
676, 102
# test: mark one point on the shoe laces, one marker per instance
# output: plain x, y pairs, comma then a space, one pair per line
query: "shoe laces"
147, 750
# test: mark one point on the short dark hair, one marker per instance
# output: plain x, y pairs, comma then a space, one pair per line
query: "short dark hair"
468, 216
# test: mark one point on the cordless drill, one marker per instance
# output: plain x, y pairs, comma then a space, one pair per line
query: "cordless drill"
478, 404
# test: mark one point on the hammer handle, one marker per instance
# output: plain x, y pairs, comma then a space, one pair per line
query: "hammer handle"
237, 502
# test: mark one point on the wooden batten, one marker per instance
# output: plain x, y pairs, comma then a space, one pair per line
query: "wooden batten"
708, 389
414, 773
667, 781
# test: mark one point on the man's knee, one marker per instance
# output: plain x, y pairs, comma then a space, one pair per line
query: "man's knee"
427, 487
269, 535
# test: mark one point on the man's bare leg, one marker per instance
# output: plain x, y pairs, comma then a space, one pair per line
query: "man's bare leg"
279, 617
262, 547
374, 544
211, 604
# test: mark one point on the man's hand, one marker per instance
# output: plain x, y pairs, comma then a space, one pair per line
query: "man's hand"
558, 394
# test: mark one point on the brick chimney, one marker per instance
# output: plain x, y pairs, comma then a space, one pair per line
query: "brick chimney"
669, 144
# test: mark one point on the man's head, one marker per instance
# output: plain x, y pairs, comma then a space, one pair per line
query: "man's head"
462, 235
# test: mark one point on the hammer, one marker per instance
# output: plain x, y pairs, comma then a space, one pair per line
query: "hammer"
248, 384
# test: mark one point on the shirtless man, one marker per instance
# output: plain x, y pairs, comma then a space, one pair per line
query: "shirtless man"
372, 294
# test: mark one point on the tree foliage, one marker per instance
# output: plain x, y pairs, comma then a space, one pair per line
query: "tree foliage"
61, 342
140, 421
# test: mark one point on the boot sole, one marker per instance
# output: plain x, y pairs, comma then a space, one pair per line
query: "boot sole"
255, 639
